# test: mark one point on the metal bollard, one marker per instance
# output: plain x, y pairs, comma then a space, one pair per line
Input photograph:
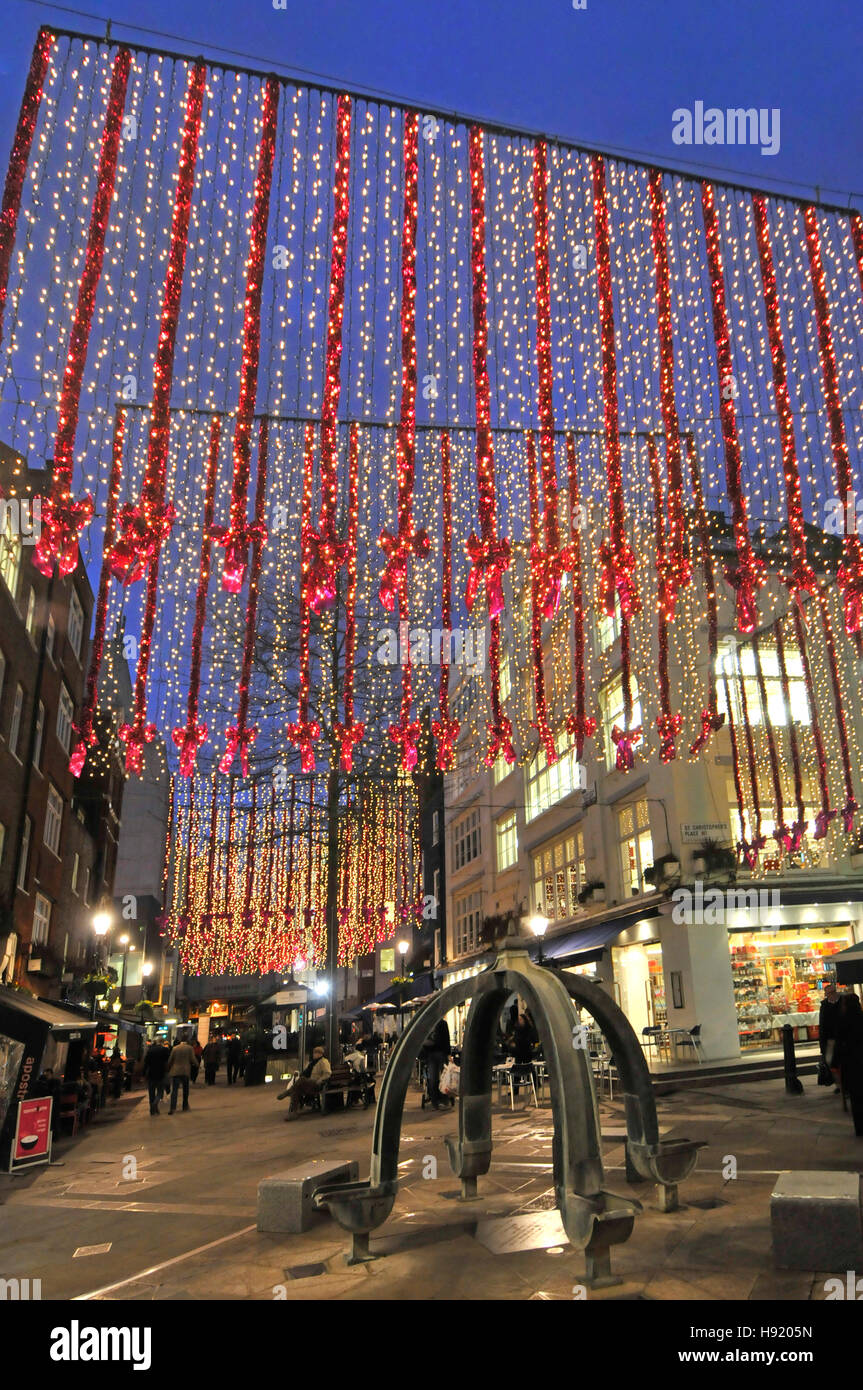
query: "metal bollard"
793, 1084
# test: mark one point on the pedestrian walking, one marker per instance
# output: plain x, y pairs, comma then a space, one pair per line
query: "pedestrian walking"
849, 1051
196, 1065
155, 1066
522, 1039
828, 1020
179, 1073
235, 1054
438, 1049
211, 1061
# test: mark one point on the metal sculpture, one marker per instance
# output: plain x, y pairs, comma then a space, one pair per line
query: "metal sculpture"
594, 1218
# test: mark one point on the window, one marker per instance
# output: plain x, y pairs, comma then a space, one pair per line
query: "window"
10, 552
559, 874
812, 854
636, 845
40, 729
467, 922
608, 628
53, 820
65, 716
545, 785
49, 639
21, 881
506, 841
737, 663
30, 620
505, 677
41, 919
611, 703
76, 864
501, 769
85, 894
466, 839
435, 827
436, 891
15, 726
75, 628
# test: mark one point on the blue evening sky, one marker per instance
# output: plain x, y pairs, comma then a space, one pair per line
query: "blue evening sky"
608, 76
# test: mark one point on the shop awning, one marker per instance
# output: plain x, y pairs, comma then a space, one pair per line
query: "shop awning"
849, 965
53, 1016
582, 947
396, 994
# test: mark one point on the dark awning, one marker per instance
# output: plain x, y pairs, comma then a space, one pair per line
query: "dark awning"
582, 946
55, 1017
848, 965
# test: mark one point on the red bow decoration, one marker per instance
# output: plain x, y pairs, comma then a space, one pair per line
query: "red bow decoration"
501, 741
236, 541
398, 550
669, 726
348, 734
624, 741
62, 521
782, 836
710, 723
344, 917
580, 729
135, 736
553, 567
848, 812
188, 739
308, 913
79, 753
822, 824
302, 735
849, 577
406, 733
489, 559
239, 741
617, 566
141, 535
747, 852
324, 555
445, 731
795, 836
748, 577
289, 914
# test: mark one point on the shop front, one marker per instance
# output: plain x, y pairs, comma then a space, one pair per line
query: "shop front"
34, 1035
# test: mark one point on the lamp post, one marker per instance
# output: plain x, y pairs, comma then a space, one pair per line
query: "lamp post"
539, 926
403, 948
124, 942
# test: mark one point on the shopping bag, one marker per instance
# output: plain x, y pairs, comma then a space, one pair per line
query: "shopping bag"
825, 1075
449, 1079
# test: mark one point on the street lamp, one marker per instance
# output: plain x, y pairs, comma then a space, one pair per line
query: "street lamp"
124, 942
539, 926
403, 947
101, 926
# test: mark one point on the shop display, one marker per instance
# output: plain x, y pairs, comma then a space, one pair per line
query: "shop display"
777, 980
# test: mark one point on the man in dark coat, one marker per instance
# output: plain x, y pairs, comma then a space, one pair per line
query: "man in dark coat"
438, 1049
155, 1065
828, 1022
235, 1052
849, 1052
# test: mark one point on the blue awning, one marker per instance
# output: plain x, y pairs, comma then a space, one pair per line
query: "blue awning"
582, 946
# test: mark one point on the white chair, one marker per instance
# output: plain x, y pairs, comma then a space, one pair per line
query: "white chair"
523, 1076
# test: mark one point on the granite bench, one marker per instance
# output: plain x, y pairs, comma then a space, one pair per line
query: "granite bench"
285, 1199
817, 1221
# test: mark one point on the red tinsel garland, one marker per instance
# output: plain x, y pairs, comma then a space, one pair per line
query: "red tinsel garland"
489, 556
825, 815
668, 724
749, 574
798, 829
240, 736
781, 832
851, 804
349, 731
87, 737
850, 573
444, 729
618, 561
759, 840
326, 554
19, 158
238, 536
554, 561
190, 736
144, 527
744, 849
679, 568
625, 739
62, 518
578, 724
802, 578
537, 582
711, 719
305, 731
406, 542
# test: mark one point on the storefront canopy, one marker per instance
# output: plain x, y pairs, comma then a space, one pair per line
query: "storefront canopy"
582, 947
398, 994
54, 1018
849, 965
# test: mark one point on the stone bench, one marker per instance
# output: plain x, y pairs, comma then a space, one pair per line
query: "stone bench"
816, 1221
285, 1199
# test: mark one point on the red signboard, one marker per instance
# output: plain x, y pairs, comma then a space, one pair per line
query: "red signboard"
32, 1143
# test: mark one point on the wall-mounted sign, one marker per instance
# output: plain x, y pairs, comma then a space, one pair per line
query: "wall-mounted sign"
218, 1010
32, 1141
692, 833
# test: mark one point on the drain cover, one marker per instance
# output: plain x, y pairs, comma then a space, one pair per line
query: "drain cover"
305, 1271
708, 1203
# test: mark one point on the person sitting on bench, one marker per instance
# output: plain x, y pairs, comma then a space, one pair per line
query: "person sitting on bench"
305, 1086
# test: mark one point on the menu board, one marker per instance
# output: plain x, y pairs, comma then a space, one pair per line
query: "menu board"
32, 1142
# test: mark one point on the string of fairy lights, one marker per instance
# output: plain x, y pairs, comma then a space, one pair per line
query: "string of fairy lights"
231, 249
